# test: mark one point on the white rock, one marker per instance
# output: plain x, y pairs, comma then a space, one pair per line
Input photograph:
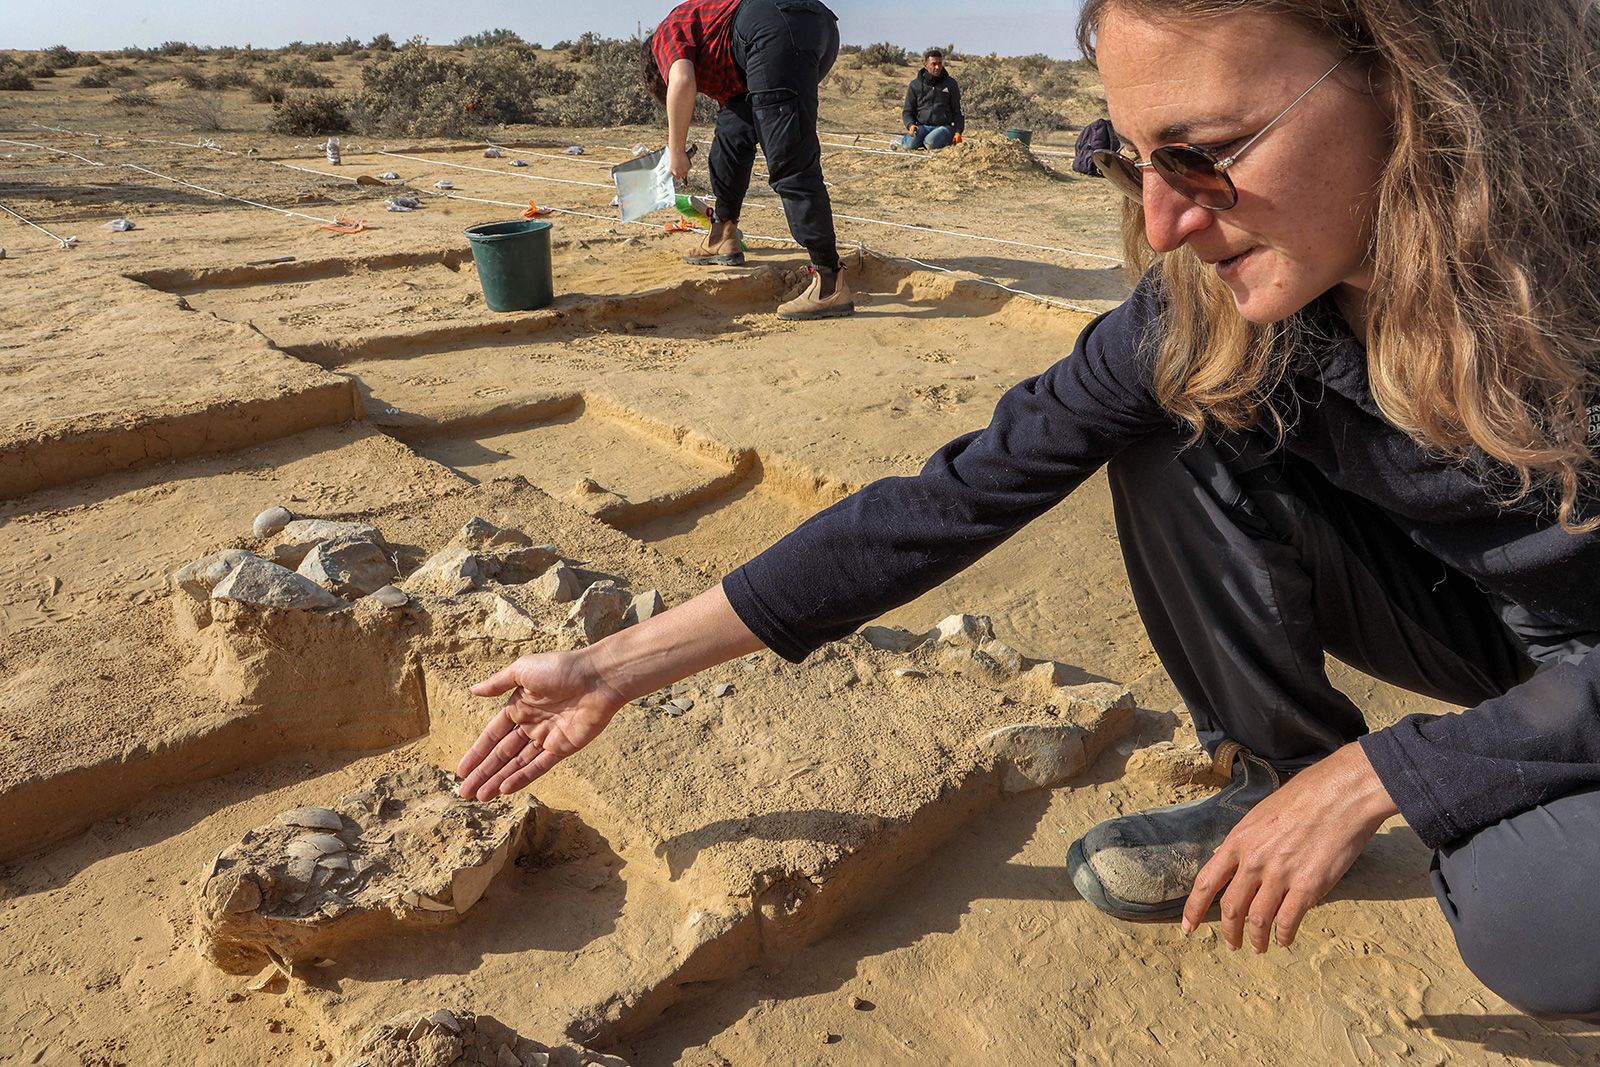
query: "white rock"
480, 534
200, 577
963, 629
524, 564
891, 640
721, 689
271, 521
313, 819
451, 572
646, 605
348, 568
297, 538
391, 597
1036, 755
559, 583
599, 611
255, 581
507, 622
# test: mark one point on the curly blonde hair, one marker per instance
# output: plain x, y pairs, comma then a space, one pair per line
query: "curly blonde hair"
1484, 314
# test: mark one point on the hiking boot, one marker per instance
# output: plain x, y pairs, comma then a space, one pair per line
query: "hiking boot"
811, 304
1142, 866
728, 252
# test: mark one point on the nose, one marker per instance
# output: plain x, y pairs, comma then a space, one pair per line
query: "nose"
1169, 218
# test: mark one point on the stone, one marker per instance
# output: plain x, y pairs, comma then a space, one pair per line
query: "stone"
889, 639
599, 611
451, 572
908, 673
560, 583
410, 853
646, 605
1166, 765
267, 585
444, 1038
271, 521
683, 704
972, 630
313, 819
520, 565
1035, 755
507, 622
1008, 660
481, 534
298, 537
721, 689
391, 597
200, 577
348, 568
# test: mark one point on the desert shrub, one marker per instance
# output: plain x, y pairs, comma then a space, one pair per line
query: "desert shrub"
40, 70
420, 90
191, 77
89, 59
849, 49
882, 53
361, 54
561, 46
297, 74
992, 97
12, 76
57, 56
490, 39
320, 54
177, 48
226, 51
347, 47
1033, 65
949, 50
96, 79
308, 112
232, 79
131, 100
266, 93
119, 70
381, 43
199, 111
609, 90
847, 84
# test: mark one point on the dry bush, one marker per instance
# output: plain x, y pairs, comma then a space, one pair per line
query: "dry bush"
381, 43
40, 70
422, 90
97, 79
58, 56
489, 39
192, 77
610, 90
882, 54
201, 112
320, 54
12, 76
991, 96
847, 84
297, 74
262, 93
132, 100
347, 47
309, 113
178, 48
232, 79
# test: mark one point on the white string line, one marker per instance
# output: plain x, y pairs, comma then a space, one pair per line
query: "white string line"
486, 170
126, 137
208, 147
228, 196
47, 148
964, 275
64, 242
562, 158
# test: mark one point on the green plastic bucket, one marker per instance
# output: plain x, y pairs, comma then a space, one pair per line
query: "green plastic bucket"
1025, 136
513, 261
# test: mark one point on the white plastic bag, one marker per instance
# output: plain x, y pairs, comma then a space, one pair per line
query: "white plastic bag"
644, 185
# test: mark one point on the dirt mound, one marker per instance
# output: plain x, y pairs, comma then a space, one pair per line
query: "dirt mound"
981, 162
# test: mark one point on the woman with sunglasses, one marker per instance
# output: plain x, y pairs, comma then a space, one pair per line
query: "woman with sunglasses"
1350, 408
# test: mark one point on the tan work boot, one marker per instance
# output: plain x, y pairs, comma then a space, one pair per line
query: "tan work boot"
720, 247
811, 304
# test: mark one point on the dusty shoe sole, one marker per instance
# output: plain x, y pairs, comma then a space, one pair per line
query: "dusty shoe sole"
1088, 886
730, 259
825, 313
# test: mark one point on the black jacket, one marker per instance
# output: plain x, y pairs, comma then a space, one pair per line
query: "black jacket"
1450, 775
933, 102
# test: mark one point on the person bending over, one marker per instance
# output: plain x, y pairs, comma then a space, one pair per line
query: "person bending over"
932, 111
762, 61
1351, 407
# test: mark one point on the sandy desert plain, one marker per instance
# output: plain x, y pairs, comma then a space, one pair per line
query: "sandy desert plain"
852, 861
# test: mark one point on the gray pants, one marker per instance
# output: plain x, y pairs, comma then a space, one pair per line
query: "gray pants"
1247, 565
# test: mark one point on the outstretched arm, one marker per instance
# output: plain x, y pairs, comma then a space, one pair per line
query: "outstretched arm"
680, 113
557, 702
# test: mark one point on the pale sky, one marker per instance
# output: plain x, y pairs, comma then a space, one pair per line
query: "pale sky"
1007, 28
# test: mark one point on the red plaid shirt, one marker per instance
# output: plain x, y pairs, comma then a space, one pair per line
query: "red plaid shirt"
701, 31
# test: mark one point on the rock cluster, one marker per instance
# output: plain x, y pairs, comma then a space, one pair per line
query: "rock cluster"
405, 851
444, 1038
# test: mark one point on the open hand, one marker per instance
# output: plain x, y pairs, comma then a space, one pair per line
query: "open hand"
556, 704
1290, 849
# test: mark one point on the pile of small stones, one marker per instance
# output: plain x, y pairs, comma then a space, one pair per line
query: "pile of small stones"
324, 565
445, 1038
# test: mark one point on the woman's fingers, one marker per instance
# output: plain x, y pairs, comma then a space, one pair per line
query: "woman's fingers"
1236, 901
542, 761
1207, 884
481, 760
501, 681
1265, 909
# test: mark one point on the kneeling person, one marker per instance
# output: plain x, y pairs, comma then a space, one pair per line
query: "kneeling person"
932, 111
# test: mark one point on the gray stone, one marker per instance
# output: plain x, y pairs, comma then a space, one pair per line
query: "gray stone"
256, 581
891, 640
599, 611
454, 571
1036, 755
646, 605
560, 583
297, 538
313, 819
391, 597
682, 703
348, 568
481, 534
507, 622
200, 577
521, 565
271, 521
721, 689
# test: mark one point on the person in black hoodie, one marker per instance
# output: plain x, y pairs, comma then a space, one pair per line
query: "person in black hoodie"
932, 111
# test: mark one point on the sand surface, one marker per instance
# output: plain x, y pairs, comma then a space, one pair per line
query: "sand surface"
813, 865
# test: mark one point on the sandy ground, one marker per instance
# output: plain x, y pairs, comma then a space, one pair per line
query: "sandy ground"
818, 866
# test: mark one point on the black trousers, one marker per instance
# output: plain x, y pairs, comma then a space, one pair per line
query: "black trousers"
1247, 565
785, 48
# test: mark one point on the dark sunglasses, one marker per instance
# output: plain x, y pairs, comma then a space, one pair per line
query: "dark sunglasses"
1193, 172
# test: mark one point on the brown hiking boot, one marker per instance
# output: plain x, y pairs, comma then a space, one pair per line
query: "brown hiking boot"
811, 304
728, 252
